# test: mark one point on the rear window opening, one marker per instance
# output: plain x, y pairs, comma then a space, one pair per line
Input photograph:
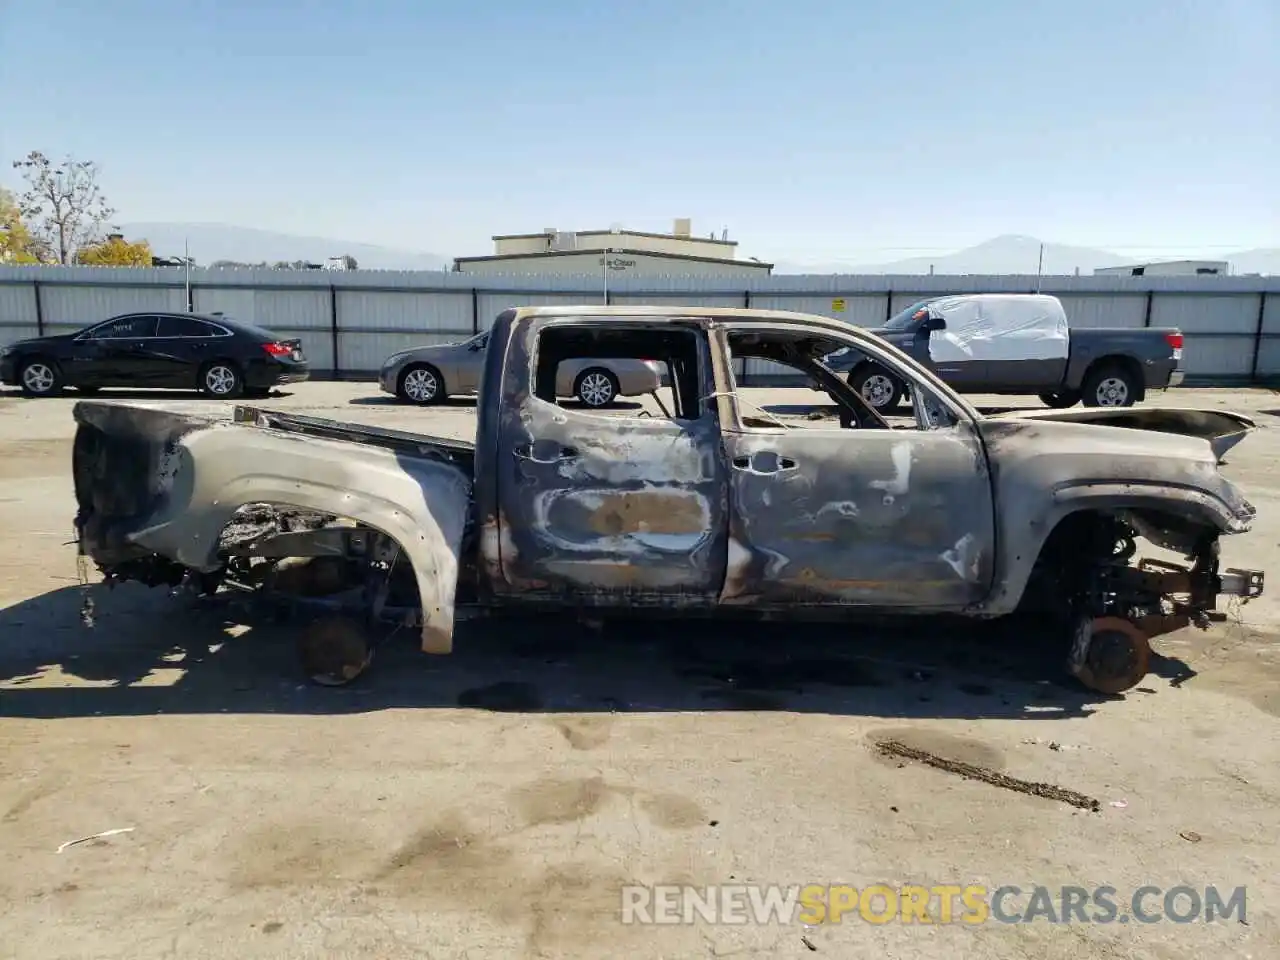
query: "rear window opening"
571, 361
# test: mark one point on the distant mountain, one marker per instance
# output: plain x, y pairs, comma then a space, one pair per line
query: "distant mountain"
1007, 254
211, 242
1010, 254
1019, 254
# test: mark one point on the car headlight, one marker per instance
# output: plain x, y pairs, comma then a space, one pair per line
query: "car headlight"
392, 360
5, 351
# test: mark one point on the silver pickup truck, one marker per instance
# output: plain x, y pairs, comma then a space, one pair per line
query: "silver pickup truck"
1020, 344
704, 506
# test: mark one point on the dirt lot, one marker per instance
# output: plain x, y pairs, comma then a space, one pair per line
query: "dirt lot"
493, 803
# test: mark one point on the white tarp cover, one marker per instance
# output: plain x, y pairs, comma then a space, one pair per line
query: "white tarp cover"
999, 327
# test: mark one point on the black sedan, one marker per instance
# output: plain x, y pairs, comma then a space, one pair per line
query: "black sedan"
210, 353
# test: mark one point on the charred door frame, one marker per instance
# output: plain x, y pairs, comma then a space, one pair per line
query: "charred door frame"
622, 514
924, 577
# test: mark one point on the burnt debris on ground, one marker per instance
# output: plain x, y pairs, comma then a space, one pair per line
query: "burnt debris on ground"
969, 771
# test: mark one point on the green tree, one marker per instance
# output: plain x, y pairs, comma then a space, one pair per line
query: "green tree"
115, 251
16, 243
63, 205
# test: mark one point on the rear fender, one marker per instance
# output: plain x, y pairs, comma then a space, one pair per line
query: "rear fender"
212, 472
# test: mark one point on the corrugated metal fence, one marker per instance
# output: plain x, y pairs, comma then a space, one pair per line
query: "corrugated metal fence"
350, 321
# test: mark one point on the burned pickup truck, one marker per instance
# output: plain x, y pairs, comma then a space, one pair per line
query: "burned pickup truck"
700, 504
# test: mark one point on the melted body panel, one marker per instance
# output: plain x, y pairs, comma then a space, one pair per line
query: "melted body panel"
604, 511
1222, 428
192, 474
1044, 469
860, 517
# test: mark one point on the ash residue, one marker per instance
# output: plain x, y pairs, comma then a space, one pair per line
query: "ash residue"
256, 520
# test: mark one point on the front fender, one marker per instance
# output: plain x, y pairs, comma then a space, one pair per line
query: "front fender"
421, 503
1023, 547
1047, 469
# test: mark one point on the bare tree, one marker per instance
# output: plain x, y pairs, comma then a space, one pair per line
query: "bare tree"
63, 205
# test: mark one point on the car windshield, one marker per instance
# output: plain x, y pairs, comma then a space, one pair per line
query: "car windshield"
906, 318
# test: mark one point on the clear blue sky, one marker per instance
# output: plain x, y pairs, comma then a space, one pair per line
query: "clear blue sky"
813, 131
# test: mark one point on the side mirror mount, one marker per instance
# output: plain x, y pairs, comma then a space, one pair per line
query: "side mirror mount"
934, 323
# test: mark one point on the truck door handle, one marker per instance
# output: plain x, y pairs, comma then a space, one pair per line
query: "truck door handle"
525, 452
783, 463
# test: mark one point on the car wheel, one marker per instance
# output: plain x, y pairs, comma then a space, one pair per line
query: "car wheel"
221, 379
596, 387
421, 384
39, 378
1061, 399
1110, 386
876, 386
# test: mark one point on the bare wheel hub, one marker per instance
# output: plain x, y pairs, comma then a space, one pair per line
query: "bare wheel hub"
1110, 655
335, 650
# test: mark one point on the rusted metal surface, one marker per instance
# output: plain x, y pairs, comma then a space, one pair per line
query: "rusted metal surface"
1045, 470
871, 518
1110, 654
594, 510
1158, 624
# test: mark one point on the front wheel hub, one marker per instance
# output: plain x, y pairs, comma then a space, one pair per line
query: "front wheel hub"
1110, 655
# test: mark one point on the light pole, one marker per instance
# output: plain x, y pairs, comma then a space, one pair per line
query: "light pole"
604, 274
186, 266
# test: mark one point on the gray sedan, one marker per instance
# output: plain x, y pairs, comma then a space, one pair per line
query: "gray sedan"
431, 374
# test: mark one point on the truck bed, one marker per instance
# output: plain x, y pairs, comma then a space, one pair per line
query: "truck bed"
130, 464
458, 451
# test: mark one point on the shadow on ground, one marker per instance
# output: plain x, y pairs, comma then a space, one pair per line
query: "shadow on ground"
150, 652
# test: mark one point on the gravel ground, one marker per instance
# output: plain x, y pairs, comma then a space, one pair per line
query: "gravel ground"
494, 803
